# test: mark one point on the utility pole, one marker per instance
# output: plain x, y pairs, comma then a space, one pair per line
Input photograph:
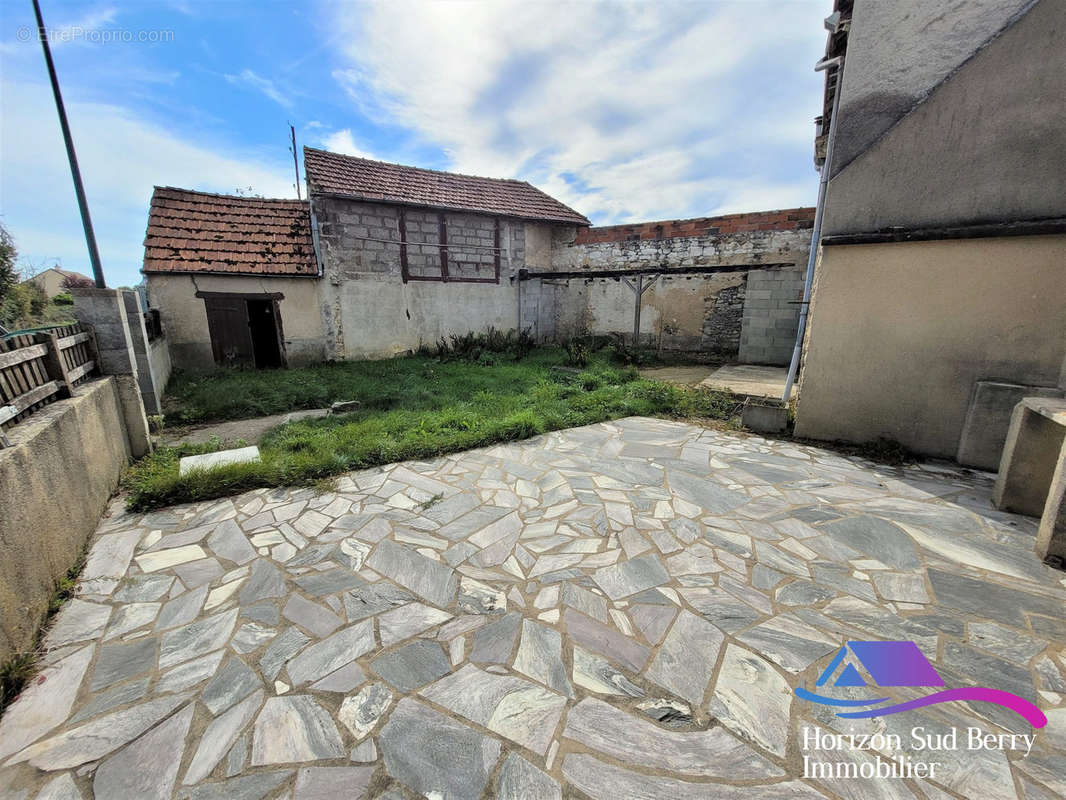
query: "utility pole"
295, 163
79, 190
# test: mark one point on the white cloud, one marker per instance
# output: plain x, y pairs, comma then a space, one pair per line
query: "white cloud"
343, 142
122, 157
76, 30
251, 80
625, 111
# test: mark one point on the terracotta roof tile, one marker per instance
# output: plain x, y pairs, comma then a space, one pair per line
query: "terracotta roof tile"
378, 181
199, 232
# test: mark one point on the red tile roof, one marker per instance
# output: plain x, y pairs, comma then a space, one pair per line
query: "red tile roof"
216, 233
377, 181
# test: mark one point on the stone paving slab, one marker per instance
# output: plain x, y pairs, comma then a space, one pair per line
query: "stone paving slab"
620, 610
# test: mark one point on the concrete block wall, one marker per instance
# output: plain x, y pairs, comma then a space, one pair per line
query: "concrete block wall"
771, 315
357, 238
368, 311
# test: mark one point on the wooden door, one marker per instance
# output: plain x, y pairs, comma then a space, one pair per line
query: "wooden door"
227, 323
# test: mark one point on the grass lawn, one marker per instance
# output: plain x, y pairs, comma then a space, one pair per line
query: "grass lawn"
414, 407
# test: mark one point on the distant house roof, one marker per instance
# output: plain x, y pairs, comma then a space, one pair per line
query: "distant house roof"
377, 181
215, 233
63, 273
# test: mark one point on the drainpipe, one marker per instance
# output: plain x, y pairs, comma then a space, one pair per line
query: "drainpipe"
816, 232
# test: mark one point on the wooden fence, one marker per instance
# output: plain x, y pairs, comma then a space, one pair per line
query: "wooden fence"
40, 367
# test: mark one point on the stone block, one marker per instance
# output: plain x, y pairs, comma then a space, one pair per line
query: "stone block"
345, 407
763, 417
1030, 455
241, 455
988, 418
1051, 538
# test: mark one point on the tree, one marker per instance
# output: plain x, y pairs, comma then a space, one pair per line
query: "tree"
8, 275
77, 282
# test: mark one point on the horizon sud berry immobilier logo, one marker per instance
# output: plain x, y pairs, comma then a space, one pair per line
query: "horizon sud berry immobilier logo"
891, 664
899, 664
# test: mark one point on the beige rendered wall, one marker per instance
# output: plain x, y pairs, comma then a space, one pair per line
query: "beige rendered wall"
56, 480
382, 316
184, 315
900, 332
50, 281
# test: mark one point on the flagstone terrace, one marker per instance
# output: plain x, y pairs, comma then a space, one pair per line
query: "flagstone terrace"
620, 610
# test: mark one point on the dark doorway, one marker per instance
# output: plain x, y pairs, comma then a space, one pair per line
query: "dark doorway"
263, 327
245, 330
227, 322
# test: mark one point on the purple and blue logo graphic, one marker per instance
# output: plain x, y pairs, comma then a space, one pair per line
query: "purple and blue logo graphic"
903, 664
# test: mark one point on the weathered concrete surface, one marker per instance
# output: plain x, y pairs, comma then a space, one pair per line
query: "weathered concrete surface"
159, 362
367, 311
897, 53
986, 145
1051, 537
148, 373
105, 311
1031, 455
764, 417
988, 418
747, 311
900, 332
240, 455
636, 603
748, 380
184, 315
56, 480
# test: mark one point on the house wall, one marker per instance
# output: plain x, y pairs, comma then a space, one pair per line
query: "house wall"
986, 145
898, 52
184, 315
370, 312
901, 332
714, 313
50, 281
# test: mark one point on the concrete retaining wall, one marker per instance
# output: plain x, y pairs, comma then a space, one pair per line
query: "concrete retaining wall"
57, 477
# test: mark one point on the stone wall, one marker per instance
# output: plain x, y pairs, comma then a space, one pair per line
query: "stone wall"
685, 310
56, 479
723, 318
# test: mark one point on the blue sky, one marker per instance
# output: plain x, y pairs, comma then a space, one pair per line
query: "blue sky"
626, 111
